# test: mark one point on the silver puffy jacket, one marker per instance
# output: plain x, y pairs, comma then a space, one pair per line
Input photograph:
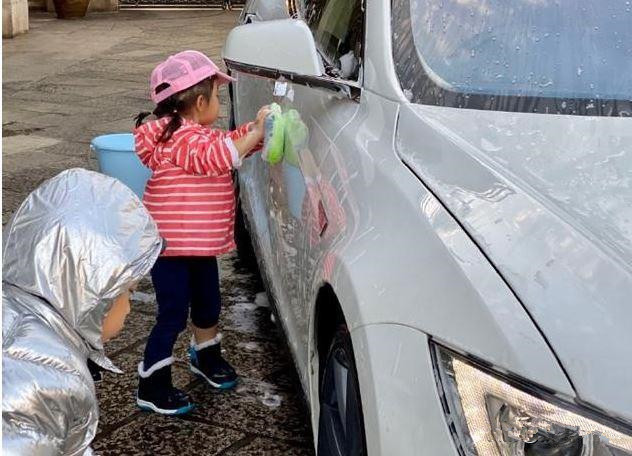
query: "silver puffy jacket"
73, 245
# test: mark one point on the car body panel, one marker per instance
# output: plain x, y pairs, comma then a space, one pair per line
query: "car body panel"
549, 199
379, 70
444, 287
401, 404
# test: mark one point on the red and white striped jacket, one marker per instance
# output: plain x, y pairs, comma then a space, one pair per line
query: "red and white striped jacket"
190, 194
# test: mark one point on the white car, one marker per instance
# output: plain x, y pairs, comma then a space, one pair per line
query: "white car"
448, 239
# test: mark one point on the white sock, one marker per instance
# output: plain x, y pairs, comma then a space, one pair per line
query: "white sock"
214, 341
157, 366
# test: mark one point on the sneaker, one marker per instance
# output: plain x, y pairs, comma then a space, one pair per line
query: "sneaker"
156, 392
206, 361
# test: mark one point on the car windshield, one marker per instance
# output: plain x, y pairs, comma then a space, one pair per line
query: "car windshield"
576, 49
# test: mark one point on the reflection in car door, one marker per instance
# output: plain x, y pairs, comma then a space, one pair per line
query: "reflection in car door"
306, 213
295, 211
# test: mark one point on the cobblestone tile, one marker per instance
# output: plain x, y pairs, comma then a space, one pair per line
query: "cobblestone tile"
271, 447
151, 435
255, 407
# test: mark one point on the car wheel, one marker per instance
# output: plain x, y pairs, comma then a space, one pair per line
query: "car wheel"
341, 424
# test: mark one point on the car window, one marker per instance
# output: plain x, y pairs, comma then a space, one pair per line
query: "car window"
338, 27
571, 57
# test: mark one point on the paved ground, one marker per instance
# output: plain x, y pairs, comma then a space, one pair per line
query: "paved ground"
66, 82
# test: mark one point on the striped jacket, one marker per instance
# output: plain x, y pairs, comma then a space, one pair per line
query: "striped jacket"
190, 194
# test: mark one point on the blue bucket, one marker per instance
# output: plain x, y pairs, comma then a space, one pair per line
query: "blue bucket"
117, 158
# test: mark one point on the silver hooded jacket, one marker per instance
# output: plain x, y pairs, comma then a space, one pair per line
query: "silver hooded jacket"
75, 243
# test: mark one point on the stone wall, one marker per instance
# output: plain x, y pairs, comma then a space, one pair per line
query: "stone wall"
15, 17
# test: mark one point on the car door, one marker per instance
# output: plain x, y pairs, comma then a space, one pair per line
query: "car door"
294, 202
305, 206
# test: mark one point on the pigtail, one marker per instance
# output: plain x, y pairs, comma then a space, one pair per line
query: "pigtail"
140, 117
171, 128
168, 108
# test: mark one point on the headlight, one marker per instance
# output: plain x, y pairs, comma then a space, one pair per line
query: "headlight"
489, 416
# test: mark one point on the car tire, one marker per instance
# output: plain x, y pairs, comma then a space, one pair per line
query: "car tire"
341, 422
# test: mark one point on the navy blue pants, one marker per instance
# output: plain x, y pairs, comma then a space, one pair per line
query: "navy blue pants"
182, 283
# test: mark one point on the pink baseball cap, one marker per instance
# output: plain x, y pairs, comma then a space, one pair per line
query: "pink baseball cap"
181, 71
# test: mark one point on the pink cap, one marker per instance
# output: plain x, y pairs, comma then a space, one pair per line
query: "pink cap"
181, 71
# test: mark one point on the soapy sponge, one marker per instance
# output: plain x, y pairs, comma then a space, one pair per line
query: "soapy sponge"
296, 135
274, 138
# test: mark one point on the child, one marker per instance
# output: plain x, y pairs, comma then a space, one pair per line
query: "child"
71, 253
191, 196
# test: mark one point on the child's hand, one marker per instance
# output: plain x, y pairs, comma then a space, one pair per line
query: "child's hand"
259, 123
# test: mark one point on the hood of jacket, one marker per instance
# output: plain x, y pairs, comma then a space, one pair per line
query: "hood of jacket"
77, 242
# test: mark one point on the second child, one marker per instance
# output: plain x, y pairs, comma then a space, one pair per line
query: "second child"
191, 197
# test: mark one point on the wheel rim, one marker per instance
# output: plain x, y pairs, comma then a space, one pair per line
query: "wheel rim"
340, 427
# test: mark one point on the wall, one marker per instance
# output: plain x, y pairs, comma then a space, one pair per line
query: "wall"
15, 17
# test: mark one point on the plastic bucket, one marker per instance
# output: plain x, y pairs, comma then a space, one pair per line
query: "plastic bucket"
117, 158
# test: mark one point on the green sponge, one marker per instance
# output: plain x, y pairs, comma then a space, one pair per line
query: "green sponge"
274, 138
296, 135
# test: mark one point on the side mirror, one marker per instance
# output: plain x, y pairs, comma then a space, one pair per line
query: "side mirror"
282, 49
284, 46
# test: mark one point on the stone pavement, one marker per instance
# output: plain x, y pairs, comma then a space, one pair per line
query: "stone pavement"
68, 81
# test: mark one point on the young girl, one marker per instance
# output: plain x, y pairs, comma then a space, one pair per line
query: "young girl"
191, 197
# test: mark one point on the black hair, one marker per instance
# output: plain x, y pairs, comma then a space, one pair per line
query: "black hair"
177, 104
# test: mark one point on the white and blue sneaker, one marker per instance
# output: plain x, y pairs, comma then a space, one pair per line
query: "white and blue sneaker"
157, 394
207, 362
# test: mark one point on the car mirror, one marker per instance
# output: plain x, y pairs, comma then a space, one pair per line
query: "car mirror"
283, 46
